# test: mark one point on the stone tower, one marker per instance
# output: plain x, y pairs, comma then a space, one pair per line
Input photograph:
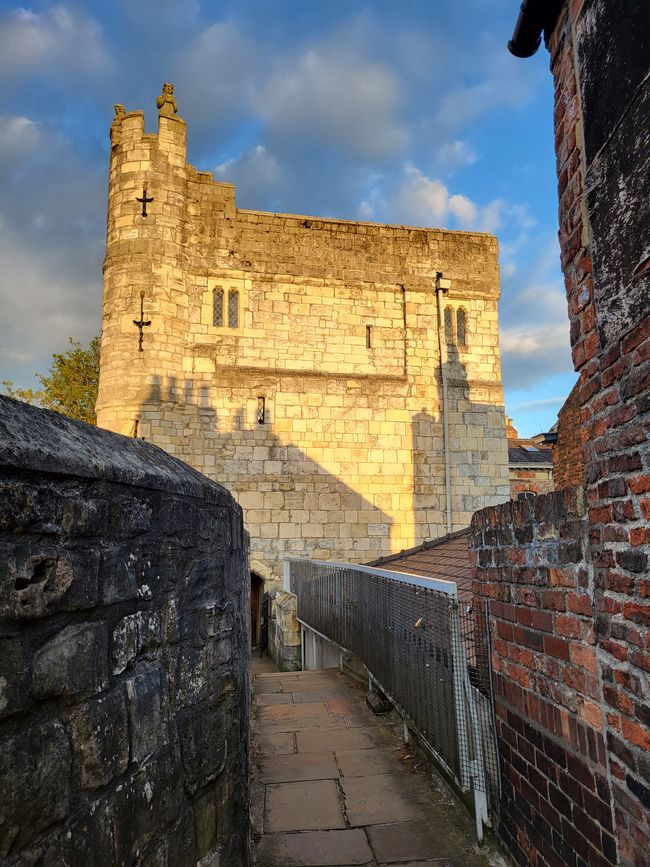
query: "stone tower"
300, 361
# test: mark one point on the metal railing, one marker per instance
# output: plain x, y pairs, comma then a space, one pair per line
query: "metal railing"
425, 649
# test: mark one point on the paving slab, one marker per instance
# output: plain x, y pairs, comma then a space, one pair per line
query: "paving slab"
291, 768
477, 861
330, 788
339, 738
265, 686
377, 799
364, 763
303, 806
272, 698
277, 743
341, 705
359, 720
306, 710
307, 685
324, 694
401, 842
317, 723
315, 849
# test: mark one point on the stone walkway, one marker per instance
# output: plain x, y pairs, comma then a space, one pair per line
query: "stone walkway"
333, 787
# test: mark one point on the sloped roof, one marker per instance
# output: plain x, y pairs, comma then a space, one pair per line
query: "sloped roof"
445, 559
518, 454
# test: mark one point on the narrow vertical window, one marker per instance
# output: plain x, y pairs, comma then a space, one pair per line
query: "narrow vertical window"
460, 328
368, 336
217, 308
449, 326
261, 410
233, 309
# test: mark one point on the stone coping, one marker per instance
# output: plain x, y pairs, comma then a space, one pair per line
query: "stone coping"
44, 441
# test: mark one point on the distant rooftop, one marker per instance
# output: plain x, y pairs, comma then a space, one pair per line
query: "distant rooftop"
445, 559
528, 452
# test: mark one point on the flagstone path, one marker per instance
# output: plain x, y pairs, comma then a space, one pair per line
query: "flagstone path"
333, 787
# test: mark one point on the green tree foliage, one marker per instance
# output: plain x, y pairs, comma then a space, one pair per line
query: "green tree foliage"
71, 385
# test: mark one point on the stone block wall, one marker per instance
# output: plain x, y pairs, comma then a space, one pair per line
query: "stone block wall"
124, 652
531, 560
336, 344
284, 632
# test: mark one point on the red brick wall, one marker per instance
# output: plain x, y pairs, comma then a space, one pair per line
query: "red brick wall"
568, 462
531, 561
601, 123
567, 573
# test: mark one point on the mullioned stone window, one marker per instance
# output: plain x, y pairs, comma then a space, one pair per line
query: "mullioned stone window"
221, 305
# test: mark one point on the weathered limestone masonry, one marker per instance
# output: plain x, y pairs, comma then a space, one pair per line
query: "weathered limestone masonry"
315, 398
567, 573
124, 653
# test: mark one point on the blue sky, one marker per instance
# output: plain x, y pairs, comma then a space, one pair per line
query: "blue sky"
400, 112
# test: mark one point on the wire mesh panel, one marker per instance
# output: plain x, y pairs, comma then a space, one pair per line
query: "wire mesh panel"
428, 653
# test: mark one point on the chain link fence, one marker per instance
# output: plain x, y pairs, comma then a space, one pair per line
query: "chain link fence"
427, 651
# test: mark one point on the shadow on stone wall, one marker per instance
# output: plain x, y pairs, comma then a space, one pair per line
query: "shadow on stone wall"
293, 506
477, 444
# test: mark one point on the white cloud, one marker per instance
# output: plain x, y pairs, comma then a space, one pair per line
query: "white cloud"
18, 137
542, 403
456, 153
215, 74
51, 244
60, 39
530, 353
534, 327
332, 94
42, 303
499, 87
420, 199
256, 174
424, 201
528, 340
465, 211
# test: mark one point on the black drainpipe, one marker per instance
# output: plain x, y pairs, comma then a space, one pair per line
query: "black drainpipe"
535, 16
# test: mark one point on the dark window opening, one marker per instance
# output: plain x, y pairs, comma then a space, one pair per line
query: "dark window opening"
449, 326
461, 331
368, 336
233, 309
217, 308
